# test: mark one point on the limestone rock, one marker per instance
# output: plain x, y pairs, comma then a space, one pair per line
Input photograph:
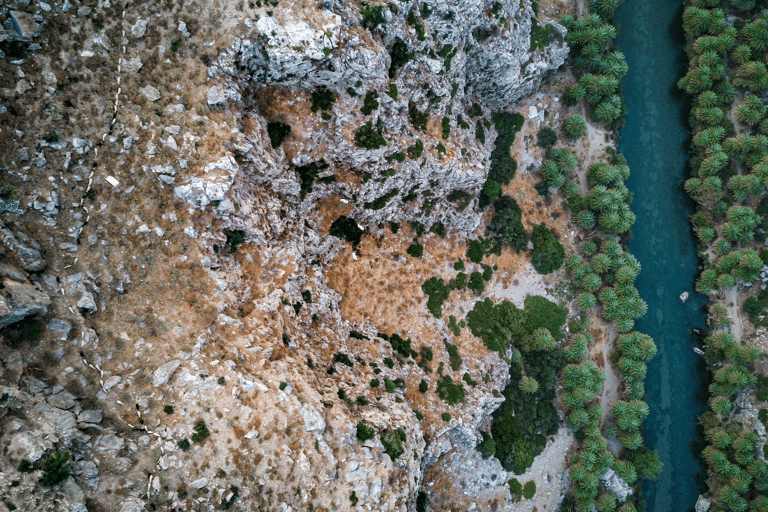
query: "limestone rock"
132, 505
214, 186
20, 300
614, 484
702, 504
150, 92
164, 372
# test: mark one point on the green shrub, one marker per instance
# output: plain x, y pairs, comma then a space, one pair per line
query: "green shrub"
440, 148
184, 444
506, 226
201, 432
234, 239
322, 99
353, 499
382, 201
437, 293
26, 466
453, 326
370, 103
546, 137
529, 489
390, 386
468, 379
491, 189
446, 417
393, 442
450, 392
446, 125
341, 357
515, 487
416, 150
399, 55
415, 249
422, 500
369, 138
453, 355
277, 132
364, 432
486, 446
373, 16
401, 346
476, 283
168, 409
548, 253
308, 174
346, 229
423, 386
388, 362
375, 383
55, 469
392, 91
418, 119
503, 166
234, 492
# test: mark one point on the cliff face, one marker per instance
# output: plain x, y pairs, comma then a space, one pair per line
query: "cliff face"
188, 251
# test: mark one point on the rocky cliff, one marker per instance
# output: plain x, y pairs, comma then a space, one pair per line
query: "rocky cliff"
205, 342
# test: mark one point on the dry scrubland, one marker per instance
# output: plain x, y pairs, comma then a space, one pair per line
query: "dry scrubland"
215, 349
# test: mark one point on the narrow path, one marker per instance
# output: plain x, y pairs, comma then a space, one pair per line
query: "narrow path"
732, 306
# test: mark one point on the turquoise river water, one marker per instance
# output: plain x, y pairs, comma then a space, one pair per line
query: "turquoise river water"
655, 142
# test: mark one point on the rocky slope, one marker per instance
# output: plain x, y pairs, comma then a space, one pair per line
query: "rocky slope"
175, 273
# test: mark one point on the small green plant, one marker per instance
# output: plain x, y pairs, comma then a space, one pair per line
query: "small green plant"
26, 466
453, 355
341, 357
322, 99
418, 119
487, 446
450, 392
353, 499
375, 383
221, 381
175, 45
234, 492
277, 132
515, 487
55, 469
415, 249
370, 103
283, 385
529, 489
201, 432
362, 401
446, 417
373, 16
446, 125
423, 386
364, 432
393, 442
346, 229
369, 138
168, 409
546, 137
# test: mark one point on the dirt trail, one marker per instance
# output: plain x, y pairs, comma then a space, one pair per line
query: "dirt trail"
732, 306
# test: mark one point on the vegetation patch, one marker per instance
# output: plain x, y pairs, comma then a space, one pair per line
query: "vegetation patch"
370, 103
450, 392
277, 132
364, 432
393, 442
548, 253
308, 174
347, 229
55, 469
322, 99
506, 226
368, 137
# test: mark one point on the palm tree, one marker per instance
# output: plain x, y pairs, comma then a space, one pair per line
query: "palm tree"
574, 126
529, 385
577, 419
721, 405
605, 8
585, 219
631, 440
608, 110
601, 263
756, 34
711, 136
586, 301
751, 111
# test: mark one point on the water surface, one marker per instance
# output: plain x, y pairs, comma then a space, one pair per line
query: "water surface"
655, 142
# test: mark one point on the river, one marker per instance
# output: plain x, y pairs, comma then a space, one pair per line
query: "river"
655, 142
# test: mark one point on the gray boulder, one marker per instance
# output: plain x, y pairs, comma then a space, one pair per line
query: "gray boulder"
20, 300
164, 372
